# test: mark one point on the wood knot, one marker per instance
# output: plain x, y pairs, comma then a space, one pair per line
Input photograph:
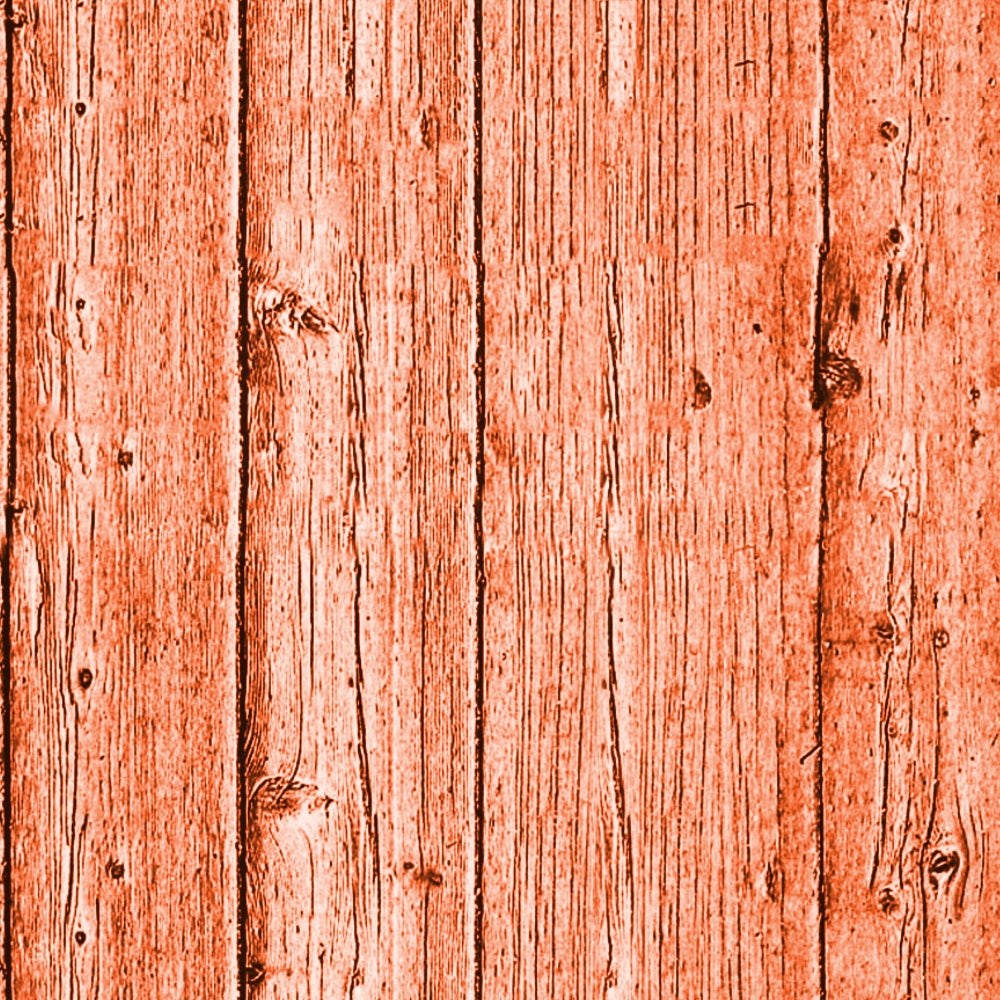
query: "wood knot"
702, 390
288, 313
280, 797
429, 876
888, 130
942, 867
839, 378
883, 629
888, 903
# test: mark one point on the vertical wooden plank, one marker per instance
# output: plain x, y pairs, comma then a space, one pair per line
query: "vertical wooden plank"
911, 594
713, 489
552, 872
122, 686
360, 556
653, 485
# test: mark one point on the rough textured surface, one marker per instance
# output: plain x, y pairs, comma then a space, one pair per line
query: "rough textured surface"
653, 481
360, 600
911, 596
123, 531
605, 603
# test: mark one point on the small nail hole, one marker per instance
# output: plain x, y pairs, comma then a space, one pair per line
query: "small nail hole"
124, 459
81, 108
888, 130
80, 303
80, 937
941, 639
895, 236
85, 677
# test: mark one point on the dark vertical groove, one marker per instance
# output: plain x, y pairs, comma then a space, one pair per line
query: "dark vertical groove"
10, 506
624, 825
241, 548
818, 712
819, 334
819, 400
371, 820
477, 251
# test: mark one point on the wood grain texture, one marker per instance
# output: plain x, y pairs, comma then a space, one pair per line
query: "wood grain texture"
123, 534
360, 590
911, 596
653, 482
605, 603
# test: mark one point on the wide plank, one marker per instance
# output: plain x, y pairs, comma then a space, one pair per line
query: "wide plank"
123, 525
651, 233
359, 586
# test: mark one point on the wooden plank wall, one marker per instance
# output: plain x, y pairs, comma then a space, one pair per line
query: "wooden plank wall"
498, 499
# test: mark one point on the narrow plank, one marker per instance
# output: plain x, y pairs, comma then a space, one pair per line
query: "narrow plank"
653, 485
911, 595
360, 556
553, 878
6, 367
122, 615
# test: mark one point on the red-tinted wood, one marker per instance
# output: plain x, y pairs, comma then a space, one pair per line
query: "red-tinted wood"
911, 596
652, 225
360, 555
123, 547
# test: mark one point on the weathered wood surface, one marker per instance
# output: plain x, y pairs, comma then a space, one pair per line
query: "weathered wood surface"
359, 562
122, 643
911, 596
604, 604
653, 480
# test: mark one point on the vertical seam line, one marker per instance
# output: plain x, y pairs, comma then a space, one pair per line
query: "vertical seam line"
244, 418
820, 399
480, 378
10, 505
